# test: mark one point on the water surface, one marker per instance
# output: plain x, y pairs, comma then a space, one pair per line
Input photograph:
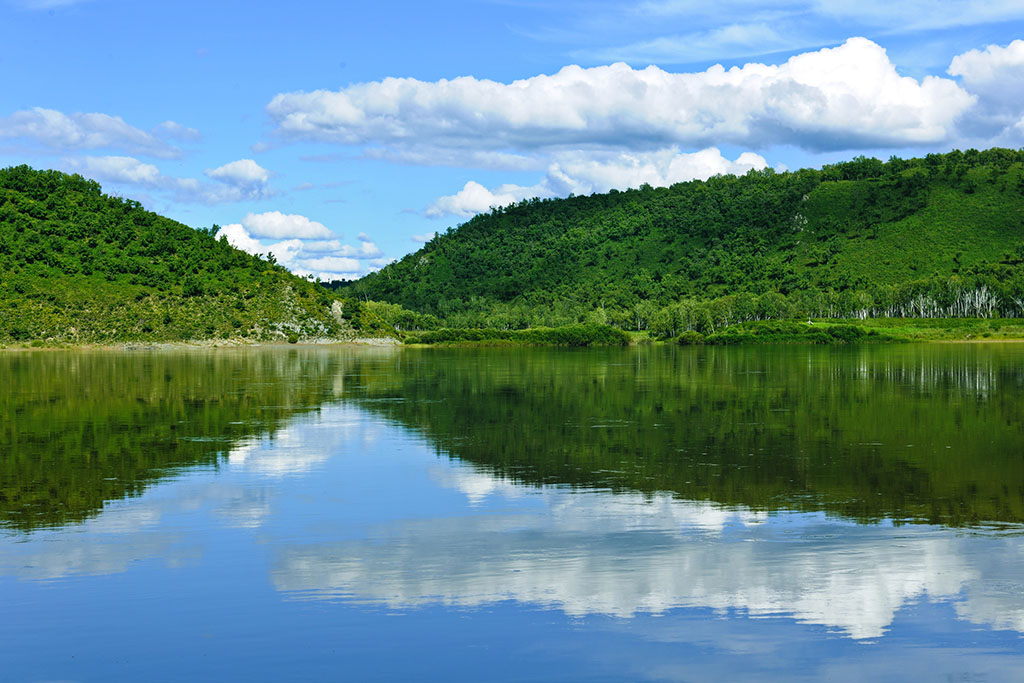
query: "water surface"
526, 514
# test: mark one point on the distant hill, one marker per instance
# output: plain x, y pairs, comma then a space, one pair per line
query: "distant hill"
938, 236
79, 266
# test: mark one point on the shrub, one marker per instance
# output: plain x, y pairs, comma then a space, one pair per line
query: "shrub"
689, 338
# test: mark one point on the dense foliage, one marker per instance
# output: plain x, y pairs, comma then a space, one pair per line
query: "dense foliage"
941, 236
80, 266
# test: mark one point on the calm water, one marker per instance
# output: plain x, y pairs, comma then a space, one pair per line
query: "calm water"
621, 514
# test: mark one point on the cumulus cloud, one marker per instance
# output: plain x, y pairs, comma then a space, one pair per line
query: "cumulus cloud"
424, 238
837, 98
995, 76
243, 178
474, 198
277, 225
582, 173
241, 172
587, 172
59, 131
333, 263
239, 238
301, 249
120, 170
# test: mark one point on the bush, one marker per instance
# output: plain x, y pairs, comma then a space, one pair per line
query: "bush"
689, 338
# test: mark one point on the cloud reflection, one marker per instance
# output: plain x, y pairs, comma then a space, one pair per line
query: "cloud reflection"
620, 554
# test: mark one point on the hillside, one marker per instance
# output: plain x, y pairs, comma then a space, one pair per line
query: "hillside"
941, 236
79, 266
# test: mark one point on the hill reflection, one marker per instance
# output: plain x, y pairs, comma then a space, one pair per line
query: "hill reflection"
917, 433
913, 434
84, 428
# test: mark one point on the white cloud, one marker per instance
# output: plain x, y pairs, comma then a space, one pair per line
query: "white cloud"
425, 237
996, 76
327, 259
838, 98
582, 173
56, 130
131, 171
277, 225
239, 238
333, 264
474, 198
244, 179
241, 172
119, 170
589, 172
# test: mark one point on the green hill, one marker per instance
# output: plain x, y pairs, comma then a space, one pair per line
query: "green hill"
941, 236
79, 266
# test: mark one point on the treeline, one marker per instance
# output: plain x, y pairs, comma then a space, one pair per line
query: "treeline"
939, 236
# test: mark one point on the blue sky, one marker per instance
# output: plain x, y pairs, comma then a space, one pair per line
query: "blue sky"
340, 135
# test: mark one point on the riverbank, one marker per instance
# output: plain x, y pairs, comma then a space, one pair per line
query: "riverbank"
871, 331
200, 344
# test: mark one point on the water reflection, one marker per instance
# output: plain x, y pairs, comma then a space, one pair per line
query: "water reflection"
618, 483
917, 433
81, 429
621, 554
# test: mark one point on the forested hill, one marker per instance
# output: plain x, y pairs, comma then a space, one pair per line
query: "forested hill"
79, 266
939, 236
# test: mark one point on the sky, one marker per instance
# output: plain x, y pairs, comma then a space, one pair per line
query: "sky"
340, 136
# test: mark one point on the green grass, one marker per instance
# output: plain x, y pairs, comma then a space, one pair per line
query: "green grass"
570, 335
948, 329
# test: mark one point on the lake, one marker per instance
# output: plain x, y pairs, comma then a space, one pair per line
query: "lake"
647, 513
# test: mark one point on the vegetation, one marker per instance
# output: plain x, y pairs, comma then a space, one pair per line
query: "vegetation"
568, 335
788, 332
938, 237
78, 266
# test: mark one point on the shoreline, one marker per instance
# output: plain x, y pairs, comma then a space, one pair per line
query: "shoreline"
196, 344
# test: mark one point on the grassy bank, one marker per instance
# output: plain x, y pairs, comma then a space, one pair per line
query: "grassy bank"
882, 330
570, 335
